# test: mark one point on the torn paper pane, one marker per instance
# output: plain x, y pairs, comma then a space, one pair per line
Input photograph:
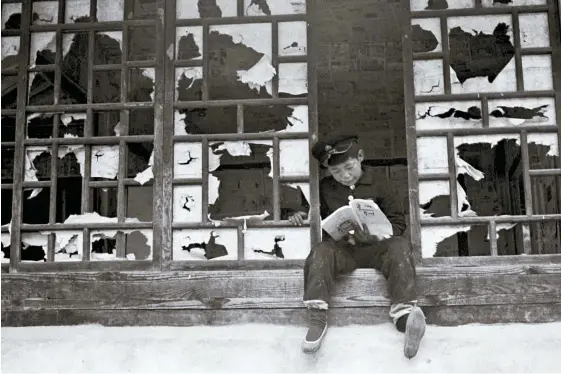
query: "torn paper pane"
426, 35
105, 161
495, 3
10, 47
76, 9
144, 176
255, 35
189, 43
448, 115
186, 78
419, 5
41, 41
428, 78
213, 186
187, 203
104, 245
304, 187
66, 43
110, 10
549, 140
298, 120
114, 35
493, 140
205, 244
274, 7
429, 189
187, 160
186, 9
522, 112
481, 54
293, 78
431, 236
258, 75
432, 155
11, 15
534, 30
292, 38
294, 157
45, 12
277, 243
537, 72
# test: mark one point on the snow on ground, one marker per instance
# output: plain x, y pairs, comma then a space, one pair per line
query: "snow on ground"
268, 348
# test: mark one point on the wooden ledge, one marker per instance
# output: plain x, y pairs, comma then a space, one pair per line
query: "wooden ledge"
515, 293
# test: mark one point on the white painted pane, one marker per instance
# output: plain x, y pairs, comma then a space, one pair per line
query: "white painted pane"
187, 160
534, 30
432, 155
215, 244
448, 115
187, 203
537, 72
293, 78
428, 77
294, 157
291, 243
110, 10
292, 38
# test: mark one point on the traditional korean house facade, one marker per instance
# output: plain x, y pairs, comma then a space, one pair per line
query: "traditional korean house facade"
152, 152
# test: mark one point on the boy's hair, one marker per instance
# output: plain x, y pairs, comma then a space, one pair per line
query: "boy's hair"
343, 157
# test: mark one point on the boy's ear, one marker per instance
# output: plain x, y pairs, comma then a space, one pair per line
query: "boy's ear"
360, 155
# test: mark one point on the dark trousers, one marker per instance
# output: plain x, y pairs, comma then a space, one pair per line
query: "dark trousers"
328, 259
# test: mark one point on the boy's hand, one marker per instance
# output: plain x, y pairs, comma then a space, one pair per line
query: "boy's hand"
297, 219
362, 235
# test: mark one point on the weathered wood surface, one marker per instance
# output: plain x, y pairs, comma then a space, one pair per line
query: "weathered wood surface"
445, 316
200, 294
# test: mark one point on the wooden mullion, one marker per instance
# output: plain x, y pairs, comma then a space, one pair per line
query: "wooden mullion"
491, 95
485, 112
479, 220
240, 119
53, 188
205, 175
240, 8
241, 242
162, 205
484, 131
454, 203
276, 184
410, 129
517, 50
205, 57
19, 149
275, 58
526, 172
445, 55
493, 238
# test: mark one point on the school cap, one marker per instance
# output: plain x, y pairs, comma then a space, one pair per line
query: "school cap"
333, 144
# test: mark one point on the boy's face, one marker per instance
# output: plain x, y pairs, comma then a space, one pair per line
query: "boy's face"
348, 172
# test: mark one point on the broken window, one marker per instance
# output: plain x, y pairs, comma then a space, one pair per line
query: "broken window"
488, 160
235, 179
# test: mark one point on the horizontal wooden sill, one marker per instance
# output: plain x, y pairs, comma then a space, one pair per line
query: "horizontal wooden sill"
516, 293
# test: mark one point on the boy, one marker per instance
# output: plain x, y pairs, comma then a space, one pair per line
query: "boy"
349, 179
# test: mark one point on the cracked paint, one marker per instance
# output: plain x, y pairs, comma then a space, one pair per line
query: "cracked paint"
187, 160
426, 35
537, 72
274, 7
187, 203
448, 115
76, 9
110, 10
45, 12
293, 78
187, 244
292, 38
293, 242
472, 69
522, 112
11, 15
189, 43
428, 78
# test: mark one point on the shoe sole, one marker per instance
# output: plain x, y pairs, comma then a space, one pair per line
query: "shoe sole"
313, 347
414, 332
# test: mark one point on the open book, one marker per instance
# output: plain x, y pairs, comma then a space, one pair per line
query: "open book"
359, 212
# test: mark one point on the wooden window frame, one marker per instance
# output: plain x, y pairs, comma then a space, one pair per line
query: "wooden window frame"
164, 107
552, 8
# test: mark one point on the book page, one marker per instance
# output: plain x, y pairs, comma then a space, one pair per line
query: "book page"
340, 222
370, 214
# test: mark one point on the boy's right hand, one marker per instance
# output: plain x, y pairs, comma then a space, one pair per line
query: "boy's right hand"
297, 219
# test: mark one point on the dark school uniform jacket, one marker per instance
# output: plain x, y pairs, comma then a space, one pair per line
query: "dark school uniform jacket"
334, 195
